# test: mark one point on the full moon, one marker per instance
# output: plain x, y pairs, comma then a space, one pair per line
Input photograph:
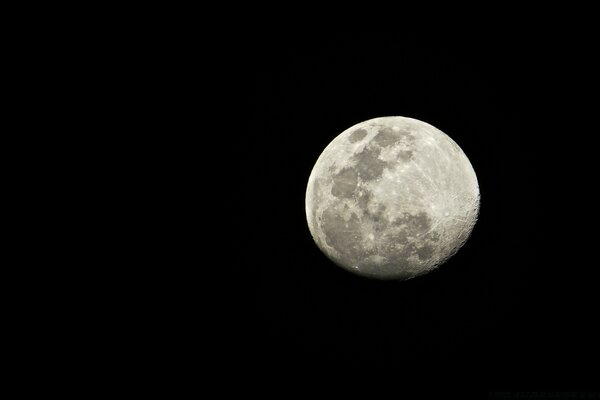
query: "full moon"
391, 198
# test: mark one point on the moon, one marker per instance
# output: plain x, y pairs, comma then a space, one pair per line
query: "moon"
391, 198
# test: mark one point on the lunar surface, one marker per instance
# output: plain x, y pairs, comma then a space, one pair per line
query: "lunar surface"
391, 198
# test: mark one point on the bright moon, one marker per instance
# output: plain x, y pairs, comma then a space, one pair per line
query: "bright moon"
391, 198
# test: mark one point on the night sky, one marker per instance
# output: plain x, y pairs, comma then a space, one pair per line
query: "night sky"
512, 310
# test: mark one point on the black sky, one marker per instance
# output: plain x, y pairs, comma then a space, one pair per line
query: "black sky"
513, 309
